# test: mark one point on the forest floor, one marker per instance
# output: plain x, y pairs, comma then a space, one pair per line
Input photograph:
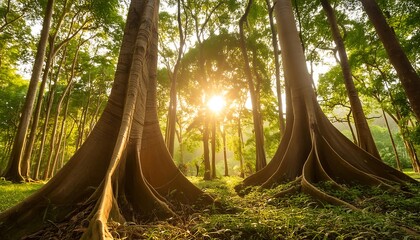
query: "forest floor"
257, 215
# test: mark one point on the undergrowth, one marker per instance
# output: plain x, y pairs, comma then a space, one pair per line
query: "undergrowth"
257, 215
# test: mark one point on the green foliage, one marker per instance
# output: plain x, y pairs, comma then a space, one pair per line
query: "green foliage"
383, 143
12, 94
105, 11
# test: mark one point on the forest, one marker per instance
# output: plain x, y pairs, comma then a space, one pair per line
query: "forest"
192, 119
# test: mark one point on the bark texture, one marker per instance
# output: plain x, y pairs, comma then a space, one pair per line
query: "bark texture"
312, 149
123, 170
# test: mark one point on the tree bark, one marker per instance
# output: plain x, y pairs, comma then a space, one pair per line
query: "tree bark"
364, 136
13, 169
313, 150
410, 80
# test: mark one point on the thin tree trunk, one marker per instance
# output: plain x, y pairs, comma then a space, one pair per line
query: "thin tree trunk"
96, 114
364, 136
51, 157
411, 153
83, 119
351, 128
259, 136
61, 144
394, 147
276, 52
240, 144
410, 80
38, 109
223, 131
171, 127
415, 157
213, 146
13, 169
53, 49
44, 133
206, 153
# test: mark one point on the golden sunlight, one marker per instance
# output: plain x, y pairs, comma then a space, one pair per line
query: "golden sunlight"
216, 103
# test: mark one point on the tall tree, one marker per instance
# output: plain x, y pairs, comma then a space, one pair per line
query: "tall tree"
256, 112
313, 150
405, 71
123, 170
200, 26
276, 53
364, 136
13, 170
171, 123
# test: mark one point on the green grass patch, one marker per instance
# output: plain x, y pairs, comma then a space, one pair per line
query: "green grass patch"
11, 194
412, 174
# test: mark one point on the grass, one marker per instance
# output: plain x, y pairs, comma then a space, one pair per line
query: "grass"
383, 215
10, 193
412, 174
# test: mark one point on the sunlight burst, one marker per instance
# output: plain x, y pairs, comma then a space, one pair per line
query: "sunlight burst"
216, 103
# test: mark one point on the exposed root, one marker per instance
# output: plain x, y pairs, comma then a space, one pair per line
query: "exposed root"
332, 158
290, 191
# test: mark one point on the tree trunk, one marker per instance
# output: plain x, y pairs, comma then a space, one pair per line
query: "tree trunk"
276, 53
13, 169
240, 144
416, 164
83, 118
413, 156
61, 139
410, 80
206, 151
394, 147
44, 133
223, 131
106, 178
353, 135
213, 146
313, 150
364, 136
258, 131
171, 126
51, 158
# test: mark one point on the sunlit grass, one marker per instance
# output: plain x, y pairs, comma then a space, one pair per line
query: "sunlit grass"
11, 194
412, 174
